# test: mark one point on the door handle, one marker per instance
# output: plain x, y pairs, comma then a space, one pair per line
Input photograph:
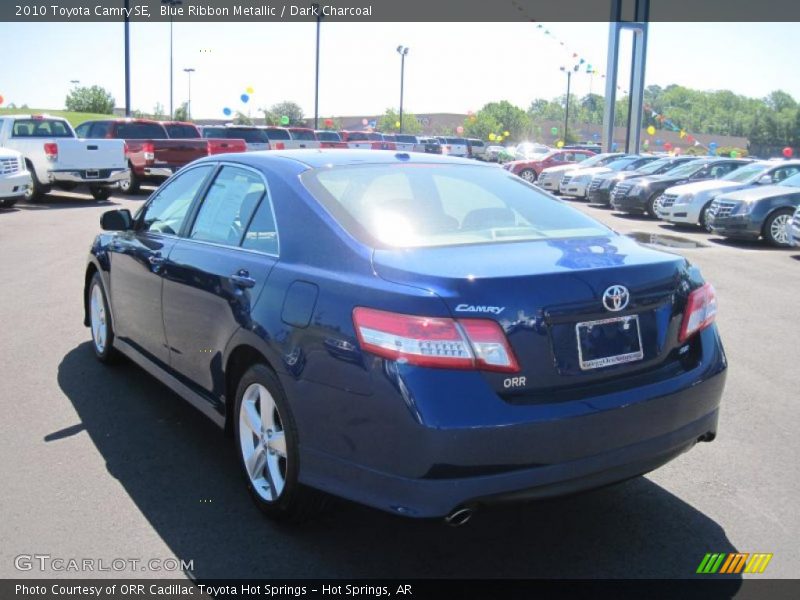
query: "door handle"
156, 261
242, 279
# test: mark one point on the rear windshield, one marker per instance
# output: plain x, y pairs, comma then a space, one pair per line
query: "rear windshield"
273, 133
375, 137
40, 128
431, 205
183, 132
141, 131
476, 142
357, 136
328, 136
302, 134
250, 135
406, 139
456, 141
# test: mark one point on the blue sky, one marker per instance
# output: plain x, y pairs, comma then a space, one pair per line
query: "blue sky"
451, 67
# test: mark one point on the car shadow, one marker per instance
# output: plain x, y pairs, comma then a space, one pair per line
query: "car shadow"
182, 474
633, 216
56, 200
759, 245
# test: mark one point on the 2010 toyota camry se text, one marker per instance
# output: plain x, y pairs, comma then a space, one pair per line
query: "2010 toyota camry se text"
420, 334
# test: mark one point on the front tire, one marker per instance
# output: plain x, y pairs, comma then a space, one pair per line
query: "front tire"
266, 437
704, 217
528, 175
651, 205
775, 228
100, 193
100, 322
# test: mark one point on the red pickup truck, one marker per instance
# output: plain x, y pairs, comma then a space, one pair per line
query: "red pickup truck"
189, 131
152, 155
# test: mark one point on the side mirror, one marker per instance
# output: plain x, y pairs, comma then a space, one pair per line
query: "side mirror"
765, 180
116, 220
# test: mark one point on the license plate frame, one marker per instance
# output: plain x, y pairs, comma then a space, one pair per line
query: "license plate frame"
609, 361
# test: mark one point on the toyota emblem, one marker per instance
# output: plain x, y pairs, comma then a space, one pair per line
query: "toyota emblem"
616, 298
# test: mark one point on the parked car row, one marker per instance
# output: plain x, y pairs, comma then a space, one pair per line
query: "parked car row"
734, 198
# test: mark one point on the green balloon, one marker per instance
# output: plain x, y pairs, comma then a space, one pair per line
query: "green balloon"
734, 154
284, 120
554, 130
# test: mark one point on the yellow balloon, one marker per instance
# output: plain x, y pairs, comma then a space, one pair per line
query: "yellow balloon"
397, 124
249, 90
506, 134
560, 143
651, 130
492, 137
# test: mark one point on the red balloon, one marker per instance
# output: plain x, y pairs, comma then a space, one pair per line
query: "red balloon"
328, 122
787, 152
667, 146
2, 99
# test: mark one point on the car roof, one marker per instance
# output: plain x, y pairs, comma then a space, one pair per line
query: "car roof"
315, 159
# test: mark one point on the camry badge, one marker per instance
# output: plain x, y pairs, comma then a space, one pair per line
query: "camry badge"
616, 298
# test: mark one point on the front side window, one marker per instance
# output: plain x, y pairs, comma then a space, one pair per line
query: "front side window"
168, 209
429, 205
228, 206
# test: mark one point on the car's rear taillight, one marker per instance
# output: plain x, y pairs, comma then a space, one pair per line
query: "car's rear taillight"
125, 148
435, 342
148, 151
209, 152
51, 151
280, 146
701, 310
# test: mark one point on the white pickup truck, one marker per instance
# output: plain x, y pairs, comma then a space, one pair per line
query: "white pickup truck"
56, 158
14, 179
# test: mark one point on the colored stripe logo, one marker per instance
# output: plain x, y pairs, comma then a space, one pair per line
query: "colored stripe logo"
733, 563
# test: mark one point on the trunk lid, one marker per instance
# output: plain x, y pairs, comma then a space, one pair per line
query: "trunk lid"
540, 291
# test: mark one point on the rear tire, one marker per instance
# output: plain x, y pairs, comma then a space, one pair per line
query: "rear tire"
132, 185
36, 191
100, 193
268, 449
775, 228
100, 322
528, 175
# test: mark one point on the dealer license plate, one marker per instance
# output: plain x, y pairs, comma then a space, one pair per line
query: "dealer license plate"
609, 342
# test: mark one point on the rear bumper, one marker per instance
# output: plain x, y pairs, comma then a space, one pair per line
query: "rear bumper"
450, 444
159, 172
14, 186
89, 176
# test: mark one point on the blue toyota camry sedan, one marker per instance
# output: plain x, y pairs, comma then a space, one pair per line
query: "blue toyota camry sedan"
416, 333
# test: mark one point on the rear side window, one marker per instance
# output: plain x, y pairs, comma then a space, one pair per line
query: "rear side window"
100, 129
431, 205
141, 131
168, 209
277, 134
262, 235
40, 128
228, 206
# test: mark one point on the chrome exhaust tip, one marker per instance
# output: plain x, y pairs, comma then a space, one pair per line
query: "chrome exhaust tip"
459, 517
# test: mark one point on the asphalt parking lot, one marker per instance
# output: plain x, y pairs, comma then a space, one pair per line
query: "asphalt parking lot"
105, 463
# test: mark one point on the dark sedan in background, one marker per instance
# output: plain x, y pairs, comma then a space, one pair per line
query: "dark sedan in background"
765, 211
417, 333
640, 195
602, 185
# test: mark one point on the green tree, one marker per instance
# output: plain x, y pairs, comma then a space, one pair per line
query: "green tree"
182, 112
481, 126
508, 118
388, 122
274, 114
90, 99
242, 119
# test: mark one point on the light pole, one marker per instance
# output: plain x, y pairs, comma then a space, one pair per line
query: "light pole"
402, 51
566, 108
171, 3
74, 82
316, 77
127, 62
189, 72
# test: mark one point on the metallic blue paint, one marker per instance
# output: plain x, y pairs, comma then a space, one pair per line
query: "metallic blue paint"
411, 440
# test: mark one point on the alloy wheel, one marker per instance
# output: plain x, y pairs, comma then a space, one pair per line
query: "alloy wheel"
98, 319
777, 229
263, 442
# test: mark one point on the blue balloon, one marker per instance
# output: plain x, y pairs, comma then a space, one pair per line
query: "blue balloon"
712, 145
614, 147
226, 111
659, 142
244, 98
